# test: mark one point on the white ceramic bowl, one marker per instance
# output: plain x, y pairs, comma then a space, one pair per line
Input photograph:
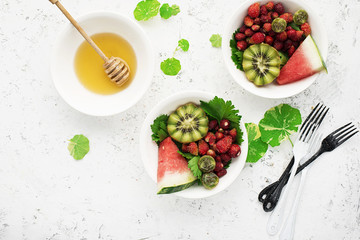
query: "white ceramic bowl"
149, 149
273, 90
66, 81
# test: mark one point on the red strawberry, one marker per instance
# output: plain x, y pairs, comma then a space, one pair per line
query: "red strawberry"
242, 29
272, 33
210, 138
278, 45
203, 147
291, 51
211, 152
213, 123
219, 135
233, 133
234, 151
279, 8
257, 38
306, 28
299, 35
274, 15
249, 32
263, 10
218, 166
269, 40
193, 148
270, 6
225, 158
257, 21
217, 158
224, 144
254, 10
291, 34
221, 173
287, 44
289, 28
225, 124
255, 28
281, 36
184, 147
248, 21
265, 19
288, 17
267, 27
238, 37
241, 45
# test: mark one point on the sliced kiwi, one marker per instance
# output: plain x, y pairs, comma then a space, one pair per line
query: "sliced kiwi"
261, 64
300, 17
283, 58
278, 25
188, 123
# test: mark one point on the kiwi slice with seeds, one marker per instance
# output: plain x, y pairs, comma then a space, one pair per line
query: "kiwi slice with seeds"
278, 25
300, 17
261, 64
188, 123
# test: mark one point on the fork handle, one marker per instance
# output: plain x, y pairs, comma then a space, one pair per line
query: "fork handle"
289, 228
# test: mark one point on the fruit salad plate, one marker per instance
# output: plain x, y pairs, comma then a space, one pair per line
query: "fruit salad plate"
273, 37
150, 150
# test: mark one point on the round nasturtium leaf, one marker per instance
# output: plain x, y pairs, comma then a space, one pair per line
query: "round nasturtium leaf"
215, 40
279, 123
257, 148
146, 9
171, 66
79, 146
166, 11
184, 44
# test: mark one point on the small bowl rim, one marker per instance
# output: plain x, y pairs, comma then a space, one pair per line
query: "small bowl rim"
158, 109
103, 14
230, 65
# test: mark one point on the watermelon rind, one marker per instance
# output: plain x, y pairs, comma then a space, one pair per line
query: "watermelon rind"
317, 48
167, 190
175, 182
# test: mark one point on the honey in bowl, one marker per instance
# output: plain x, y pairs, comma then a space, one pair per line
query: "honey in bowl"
89, 65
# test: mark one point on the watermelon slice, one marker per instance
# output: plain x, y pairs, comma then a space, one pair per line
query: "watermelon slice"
173, 174
306, 61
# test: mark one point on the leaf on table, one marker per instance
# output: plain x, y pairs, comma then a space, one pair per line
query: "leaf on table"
166, 11
193, 165
171, 66
159, 128
146, 9
79, 146
184, 44
215, 40
257, 148
279, 123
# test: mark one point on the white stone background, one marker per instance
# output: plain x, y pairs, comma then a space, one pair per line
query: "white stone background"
45, 194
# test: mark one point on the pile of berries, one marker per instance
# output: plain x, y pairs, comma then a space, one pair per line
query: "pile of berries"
257, 28
219, 143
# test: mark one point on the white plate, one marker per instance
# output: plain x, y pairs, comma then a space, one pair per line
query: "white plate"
149, 149
66, 81
273, 90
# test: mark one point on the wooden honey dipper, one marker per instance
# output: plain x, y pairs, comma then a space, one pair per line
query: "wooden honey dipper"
116, 68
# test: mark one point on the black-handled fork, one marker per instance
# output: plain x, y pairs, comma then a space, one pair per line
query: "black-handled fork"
270, 195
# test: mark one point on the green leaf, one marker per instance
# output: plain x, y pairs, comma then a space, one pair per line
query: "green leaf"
294, 26
188, 156
159, 129
184, 44
79, 146
279, 123
146, 9
220, 109
257, 148
166, 11
215, 40
193, 165
236, 54
171, 66
228, 164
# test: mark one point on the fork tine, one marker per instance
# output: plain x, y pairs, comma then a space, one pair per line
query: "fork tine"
349, 136
315, 122
309, 116
339, 129
338, 134
349, 131
308, 122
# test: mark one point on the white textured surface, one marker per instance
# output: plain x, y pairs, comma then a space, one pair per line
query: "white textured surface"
45, 194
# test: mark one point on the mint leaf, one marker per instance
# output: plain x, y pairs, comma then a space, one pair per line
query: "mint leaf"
188, 156
79, 146
257, 148
215, 40
193, 165
146, 9
166, 11
220, 109
279, 123
171, 66
184, 45
159, 129
294, 26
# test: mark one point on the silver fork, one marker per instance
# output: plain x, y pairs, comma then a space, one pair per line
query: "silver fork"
287, 232
300, 149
